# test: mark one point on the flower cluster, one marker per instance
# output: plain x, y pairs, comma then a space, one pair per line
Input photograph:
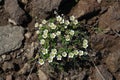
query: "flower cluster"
60, 38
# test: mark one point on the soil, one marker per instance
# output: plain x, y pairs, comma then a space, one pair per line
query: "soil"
104, 54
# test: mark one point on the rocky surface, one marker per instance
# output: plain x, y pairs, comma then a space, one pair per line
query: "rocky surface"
111, 19
42, 8
105, 44
17, 14
10, 38
85, 7
101, 73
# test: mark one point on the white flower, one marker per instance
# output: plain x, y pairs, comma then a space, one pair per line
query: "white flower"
59, 57
72, 18
45, 31
71, 32
44, 36
61, 22
67, 37
64, 54
65, 27
50, 59
42, 41
85, 43
71, 55
37, 32
52, 55
53, 35
67, 22
41, 61
85, 53
44, 22
40, 26
75, 22
52, 25
59, 18
76, 52
36, 24
54, 51
58, 33
44, 51
81, 53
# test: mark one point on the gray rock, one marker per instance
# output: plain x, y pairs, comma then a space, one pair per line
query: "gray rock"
1, 78
17, 15
10, 38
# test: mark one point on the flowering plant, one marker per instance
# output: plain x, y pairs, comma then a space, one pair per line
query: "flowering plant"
61, 39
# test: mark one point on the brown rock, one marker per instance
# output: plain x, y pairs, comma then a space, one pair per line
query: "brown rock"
42, 75
109, 46
17, 15
111, 19
9, 77
20, 78
100, 73
113, 59
84, 7
33, 76
79, 76
25, 69
117, 76
40, 8
7, 66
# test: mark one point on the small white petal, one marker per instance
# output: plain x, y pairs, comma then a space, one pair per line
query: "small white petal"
41, 61
37, 32
36, 24
42, 41
44, 22
72, 18
59, 57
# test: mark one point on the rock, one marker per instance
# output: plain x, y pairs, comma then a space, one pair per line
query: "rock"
108, 46
26, 68
10, 38
17, 15
30, 51
42, 75
6, 57
100, 74
3, 17
9, 77
111, 19
1, 78
117, 76
79, 76
28, 35
99, 1
20, 78
33, 76
113, 59
24, 1
40, 8
7, 66
84, 7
